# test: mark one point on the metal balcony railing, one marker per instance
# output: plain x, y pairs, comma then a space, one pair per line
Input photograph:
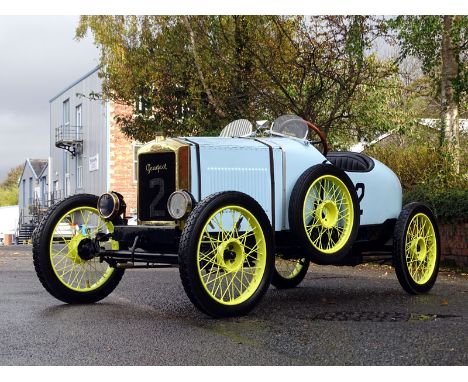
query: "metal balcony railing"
36, 210
69, 138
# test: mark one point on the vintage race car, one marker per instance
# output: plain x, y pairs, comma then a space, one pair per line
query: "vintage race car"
236, 213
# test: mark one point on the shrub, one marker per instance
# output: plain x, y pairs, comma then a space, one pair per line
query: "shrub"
426, 175
419, 164
449, 204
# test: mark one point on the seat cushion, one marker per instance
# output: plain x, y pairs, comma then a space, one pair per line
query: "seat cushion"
350, 161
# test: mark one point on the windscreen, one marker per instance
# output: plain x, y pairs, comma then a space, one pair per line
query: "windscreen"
290, 125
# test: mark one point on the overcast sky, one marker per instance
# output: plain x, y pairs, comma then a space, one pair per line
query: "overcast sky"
39, 57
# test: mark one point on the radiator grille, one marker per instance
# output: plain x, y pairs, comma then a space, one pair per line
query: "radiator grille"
156, 181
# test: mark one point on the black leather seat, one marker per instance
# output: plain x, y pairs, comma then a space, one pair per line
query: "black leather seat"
350, 161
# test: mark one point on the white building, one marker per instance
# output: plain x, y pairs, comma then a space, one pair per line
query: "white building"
9, 216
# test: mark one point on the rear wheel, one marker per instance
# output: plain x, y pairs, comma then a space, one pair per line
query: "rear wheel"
289, 273
225, 254
63, 252
416, 248
324, 213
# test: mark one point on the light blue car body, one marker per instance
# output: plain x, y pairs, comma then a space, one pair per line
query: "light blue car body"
244, 164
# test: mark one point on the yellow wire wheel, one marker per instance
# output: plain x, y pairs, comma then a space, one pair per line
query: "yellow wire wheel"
289, 272
416, 248
73, 230
225, 256
64, 256
324, 213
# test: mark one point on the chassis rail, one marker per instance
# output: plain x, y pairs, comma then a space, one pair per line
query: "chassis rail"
157, 247
139, 257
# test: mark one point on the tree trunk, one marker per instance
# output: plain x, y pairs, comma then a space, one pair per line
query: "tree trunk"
449, 102
198, 65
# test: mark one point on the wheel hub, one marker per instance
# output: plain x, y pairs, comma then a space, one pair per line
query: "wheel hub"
327, 214
230, 255
73, 245
81, 249
420, 248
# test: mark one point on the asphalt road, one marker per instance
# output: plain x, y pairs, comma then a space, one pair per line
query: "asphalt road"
338, 316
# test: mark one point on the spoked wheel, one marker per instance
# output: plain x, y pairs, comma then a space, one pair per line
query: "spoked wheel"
64, 252
225, 254
289, 273
416, 248
324, 213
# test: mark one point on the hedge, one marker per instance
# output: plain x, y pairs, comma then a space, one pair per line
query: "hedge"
449, 204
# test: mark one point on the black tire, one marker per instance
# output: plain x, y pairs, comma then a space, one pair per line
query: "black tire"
421, 250
196, 274
292, 276
46, 270
316, 178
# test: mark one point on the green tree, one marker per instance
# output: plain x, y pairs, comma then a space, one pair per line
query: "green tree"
9, 187
193, 74
12, 177
441, 43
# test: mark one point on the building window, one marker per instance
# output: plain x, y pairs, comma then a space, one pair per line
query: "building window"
142, 106
30, 190
136, 147
67, 185
79, 122
79, 171
42, 195
66, 175
24, 192
66, 113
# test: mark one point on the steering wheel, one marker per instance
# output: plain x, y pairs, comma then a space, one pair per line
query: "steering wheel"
323, 139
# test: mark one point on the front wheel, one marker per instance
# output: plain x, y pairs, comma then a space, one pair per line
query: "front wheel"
63, 252
225, 254
416, 248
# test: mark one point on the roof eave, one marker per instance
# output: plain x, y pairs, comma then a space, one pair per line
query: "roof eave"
74, 83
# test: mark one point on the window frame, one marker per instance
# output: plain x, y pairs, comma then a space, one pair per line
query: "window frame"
79, 124
79, 172
66, 112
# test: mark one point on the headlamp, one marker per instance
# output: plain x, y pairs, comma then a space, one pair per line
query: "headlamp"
179, 204
111, 205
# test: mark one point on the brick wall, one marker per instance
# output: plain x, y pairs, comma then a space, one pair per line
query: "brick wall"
454, 243
121, 160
